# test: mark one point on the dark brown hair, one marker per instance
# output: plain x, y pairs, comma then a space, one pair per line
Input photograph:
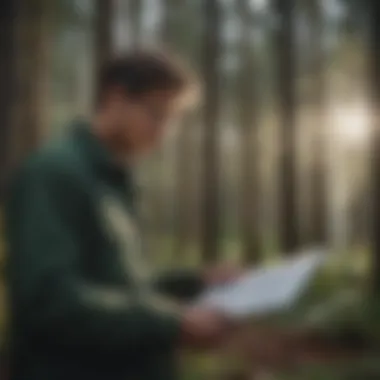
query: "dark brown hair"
140, 72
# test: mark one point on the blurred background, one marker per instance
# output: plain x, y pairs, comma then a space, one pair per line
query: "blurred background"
283, 153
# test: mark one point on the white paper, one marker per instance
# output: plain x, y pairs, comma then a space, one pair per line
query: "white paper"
266, 290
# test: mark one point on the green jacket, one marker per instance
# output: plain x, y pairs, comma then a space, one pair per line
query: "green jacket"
83, 303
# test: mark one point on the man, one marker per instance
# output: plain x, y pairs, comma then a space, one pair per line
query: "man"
83, 304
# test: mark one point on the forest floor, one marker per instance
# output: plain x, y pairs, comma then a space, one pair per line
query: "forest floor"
334, 333
339, 332
315, 358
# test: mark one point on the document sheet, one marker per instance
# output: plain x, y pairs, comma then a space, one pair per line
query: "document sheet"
266, 290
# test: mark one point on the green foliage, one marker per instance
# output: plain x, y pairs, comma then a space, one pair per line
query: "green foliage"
367, 369
338, 308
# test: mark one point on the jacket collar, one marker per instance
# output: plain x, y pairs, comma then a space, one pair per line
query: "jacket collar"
99, 157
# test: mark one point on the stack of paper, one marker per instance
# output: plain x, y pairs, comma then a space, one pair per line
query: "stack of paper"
266, 290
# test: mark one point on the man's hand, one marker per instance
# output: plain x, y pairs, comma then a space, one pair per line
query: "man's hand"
204, 328
221, 274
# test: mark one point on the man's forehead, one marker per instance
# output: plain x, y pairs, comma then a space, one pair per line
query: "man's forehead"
166, 101
160, 96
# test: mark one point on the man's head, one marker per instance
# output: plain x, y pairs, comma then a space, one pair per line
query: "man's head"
138, 94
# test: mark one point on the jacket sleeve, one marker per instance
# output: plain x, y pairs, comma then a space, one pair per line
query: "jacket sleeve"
52, 298
181, 284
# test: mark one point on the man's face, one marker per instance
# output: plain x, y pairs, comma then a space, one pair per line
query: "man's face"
138, 123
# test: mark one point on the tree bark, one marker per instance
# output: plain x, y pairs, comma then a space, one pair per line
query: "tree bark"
176, 31
103, 41
30, 104
319, 164
24, 47
7, 77
135, 9
285, 67
210, 181
249, 187
185, 203
374, 87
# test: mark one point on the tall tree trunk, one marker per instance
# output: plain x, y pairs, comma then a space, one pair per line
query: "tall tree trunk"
170, 22
103, 41
184, 202
30, 105
319, 164
175, 34
135, 12
249, 137
157, 194
374, 85
7, 76
210, 205
23, 101
285, 62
